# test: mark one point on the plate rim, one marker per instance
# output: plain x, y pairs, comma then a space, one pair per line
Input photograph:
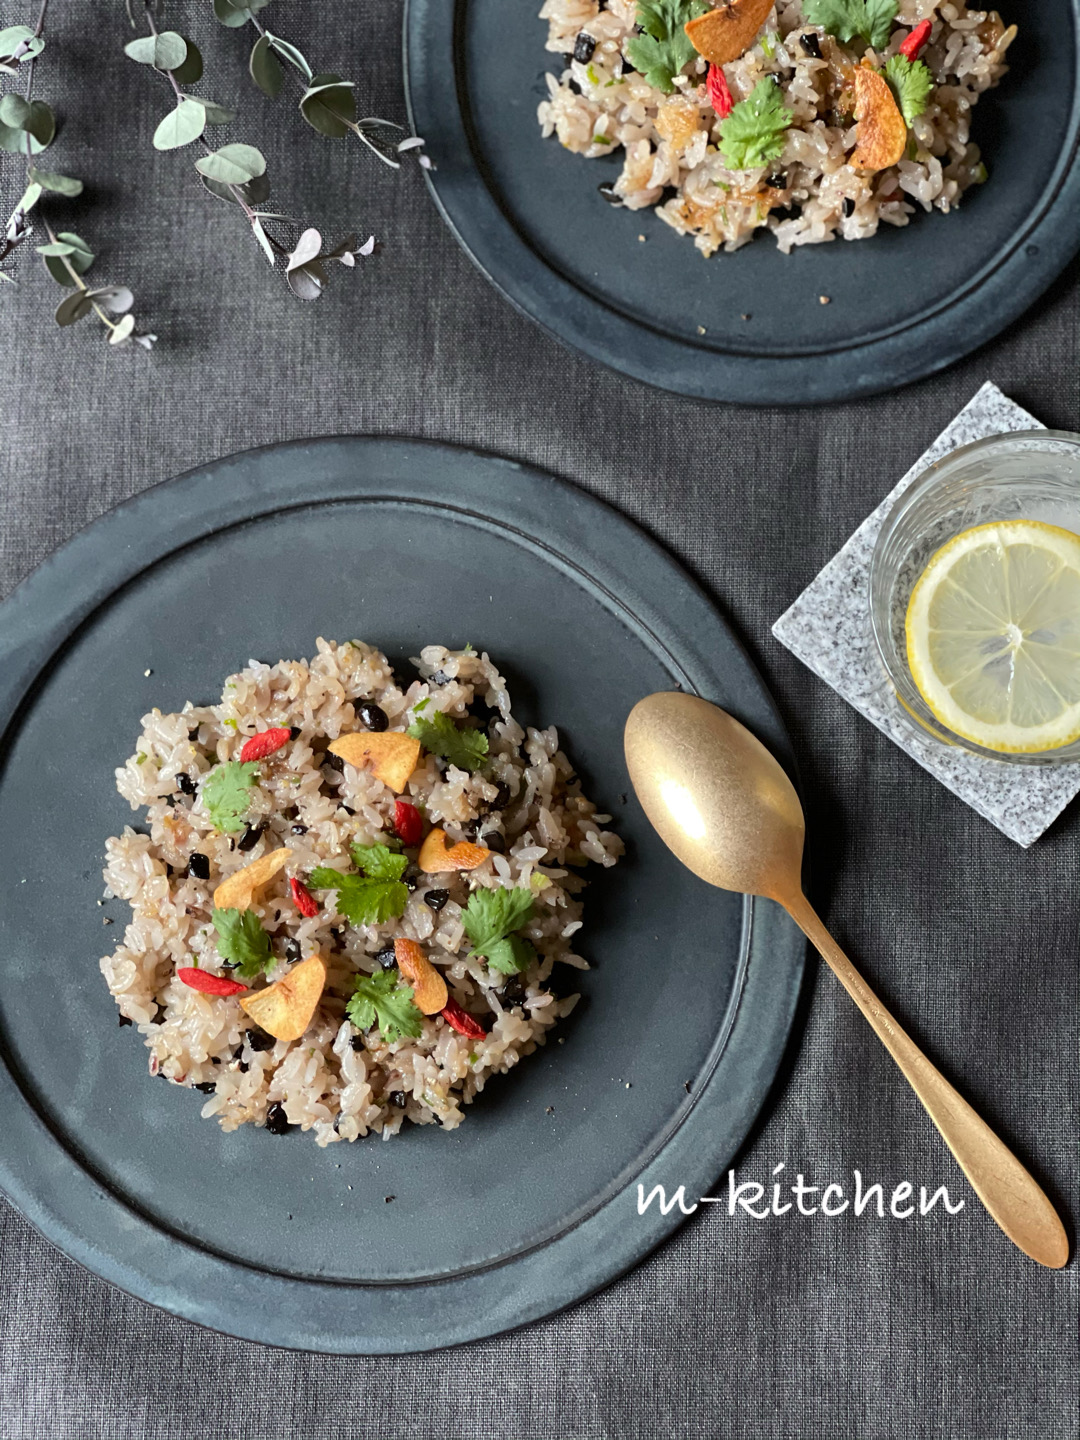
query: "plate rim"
75, 1211
1038, 253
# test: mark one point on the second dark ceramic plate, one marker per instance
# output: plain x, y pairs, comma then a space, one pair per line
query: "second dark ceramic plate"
902, 305
533, 1202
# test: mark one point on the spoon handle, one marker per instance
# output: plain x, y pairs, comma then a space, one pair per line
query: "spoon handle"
1011, 1195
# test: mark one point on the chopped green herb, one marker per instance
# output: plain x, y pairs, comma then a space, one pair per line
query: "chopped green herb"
911, 84
367, 899
594, 78
768, 43
870, 20
600, 140
378, 862
242, 941
468, 650
753, 134
140, 758
226, 793
467, 749
489, 919
665, 49
980, 174
381, 999
232, 724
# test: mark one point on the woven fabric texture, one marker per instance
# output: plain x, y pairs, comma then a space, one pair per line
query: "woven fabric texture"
776, 1329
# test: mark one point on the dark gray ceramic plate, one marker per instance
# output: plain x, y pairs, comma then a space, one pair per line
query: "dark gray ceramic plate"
902, 305
664, 1065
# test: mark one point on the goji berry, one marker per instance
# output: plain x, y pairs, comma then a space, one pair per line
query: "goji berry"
462, 1021
258, 747
916, 40
209, 984
407, 823
303, 899
716, 87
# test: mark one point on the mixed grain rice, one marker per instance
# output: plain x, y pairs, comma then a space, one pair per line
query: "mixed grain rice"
324, 1082
670, 159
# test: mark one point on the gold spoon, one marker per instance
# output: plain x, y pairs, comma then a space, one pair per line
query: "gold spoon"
722, 804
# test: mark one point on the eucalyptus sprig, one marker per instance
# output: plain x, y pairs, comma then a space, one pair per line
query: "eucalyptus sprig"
28, 126
327, 101
234, 173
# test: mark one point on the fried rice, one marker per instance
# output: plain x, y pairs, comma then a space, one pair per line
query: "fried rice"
525, 805
811, 193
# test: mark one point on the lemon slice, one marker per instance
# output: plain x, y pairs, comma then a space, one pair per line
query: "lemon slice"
993, 636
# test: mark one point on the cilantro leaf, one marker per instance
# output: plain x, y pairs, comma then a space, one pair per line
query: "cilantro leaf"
379, 862
381, 999
490, 917
911, 83
242, 941
664, 49
362, 900
880, 15
467, 749
753, 134
512, 955
869, 20
225, 793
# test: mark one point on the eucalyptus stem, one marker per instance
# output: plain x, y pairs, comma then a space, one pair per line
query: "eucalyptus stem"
235, 173
29, 126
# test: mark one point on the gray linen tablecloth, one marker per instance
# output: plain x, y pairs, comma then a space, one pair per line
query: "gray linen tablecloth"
781, 1329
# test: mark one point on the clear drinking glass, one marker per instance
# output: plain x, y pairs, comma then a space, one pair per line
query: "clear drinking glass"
1027, 475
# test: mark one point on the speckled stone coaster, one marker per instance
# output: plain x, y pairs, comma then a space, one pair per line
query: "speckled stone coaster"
828, 628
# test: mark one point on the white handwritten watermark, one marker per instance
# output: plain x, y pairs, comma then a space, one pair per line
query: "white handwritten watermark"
750, 1197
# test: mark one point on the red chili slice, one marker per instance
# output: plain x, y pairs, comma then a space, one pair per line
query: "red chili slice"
716, 87
209, 984
462, 1021
303, 899
407, 823
916, 40
259, 746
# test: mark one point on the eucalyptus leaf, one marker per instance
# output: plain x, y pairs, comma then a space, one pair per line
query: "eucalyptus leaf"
292, 54
181, 126
307, 282
55, 247
307, 249
265, 68
73, 308
15, 36
117, 299
190, 72
42, 123
254, 192
58, 184
330, 106
122, 331
232, 164
166, 51
215, 114
22, 142
80, 259
342, 248
234, 15
15, 112
30, 198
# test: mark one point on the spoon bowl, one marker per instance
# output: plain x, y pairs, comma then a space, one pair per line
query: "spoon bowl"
715, 796
722, 804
